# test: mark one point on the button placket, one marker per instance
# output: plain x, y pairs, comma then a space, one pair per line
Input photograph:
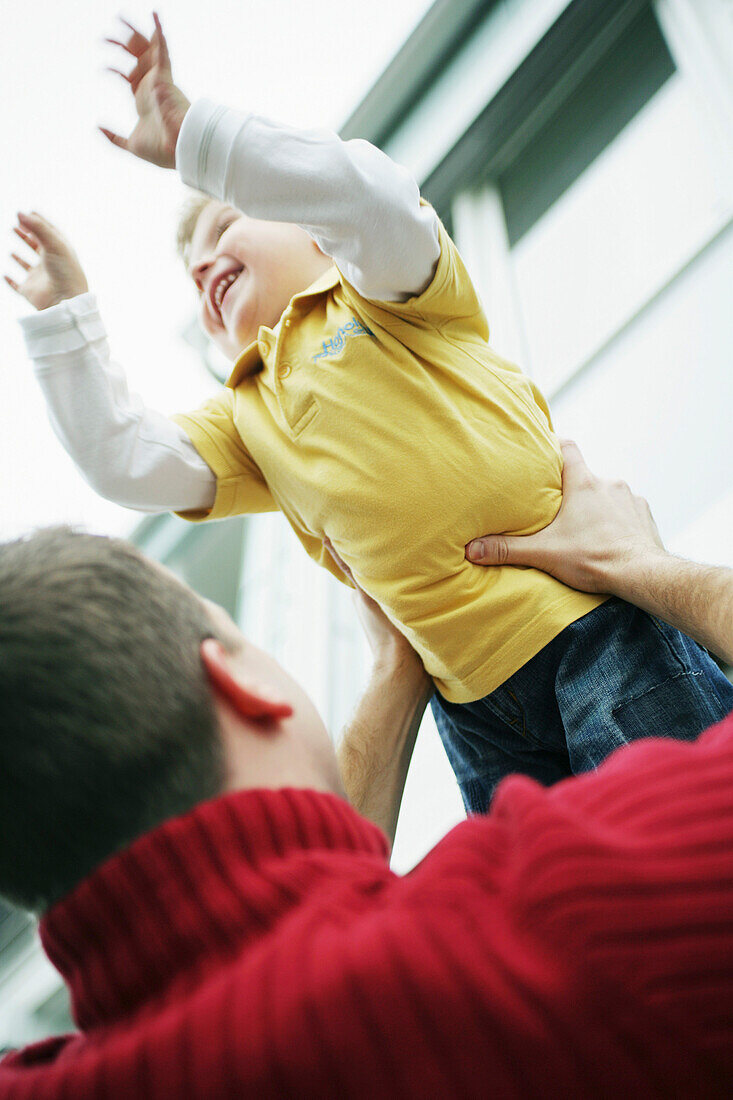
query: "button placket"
296, 407
282, 367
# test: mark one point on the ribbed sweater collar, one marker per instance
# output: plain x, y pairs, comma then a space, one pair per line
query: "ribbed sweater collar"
198, 888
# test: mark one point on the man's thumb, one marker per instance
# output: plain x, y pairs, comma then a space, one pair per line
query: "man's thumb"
491, 550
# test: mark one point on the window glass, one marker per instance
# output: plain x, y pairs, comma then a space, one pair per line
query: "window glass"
623, 230
588, 120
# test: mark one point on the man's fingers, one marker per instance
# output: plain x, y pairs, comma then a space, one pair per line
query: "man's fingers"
490, 550
120, 142
571, 452
12, 283
337, 559
575, 471
504, 549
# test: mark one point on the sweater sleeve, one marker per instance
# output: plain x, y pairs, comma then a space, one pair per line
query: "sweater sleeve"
361, 208
127, 453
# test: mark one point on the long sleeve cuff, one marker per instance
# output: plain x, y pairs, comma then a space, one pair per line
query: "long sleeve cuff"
68, 326
204, 145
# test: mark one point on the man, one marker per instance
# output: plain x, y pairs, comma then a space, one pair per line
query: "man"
228, 925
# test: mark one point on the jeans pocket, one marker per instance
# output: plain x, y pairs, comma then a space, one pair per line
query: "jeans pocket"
506, 706
680, 707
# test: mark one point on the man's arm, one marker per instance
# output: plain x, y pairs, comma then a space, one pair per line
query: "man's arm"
361, 208
604, 539
697, 599
376, 746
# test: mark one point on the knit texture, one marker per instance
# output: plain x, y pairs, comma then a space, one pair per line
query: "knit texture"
577, 941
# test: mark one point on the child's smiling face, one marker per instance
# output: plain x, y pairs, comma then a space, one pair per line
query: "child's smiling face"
246, 272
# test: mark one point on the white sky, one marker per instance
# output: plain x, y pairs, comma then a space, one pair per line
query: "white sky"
305, 64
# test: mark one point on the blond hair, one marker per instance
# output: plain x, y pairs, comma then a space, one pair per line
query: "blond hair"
190, 213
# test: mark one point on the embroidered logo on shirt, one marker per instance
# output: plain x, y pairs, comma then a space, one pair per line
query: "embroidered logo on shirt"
354, 327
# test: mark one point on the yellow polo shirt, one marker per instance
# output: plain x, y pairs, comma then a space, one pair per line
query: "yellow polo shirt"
393, 428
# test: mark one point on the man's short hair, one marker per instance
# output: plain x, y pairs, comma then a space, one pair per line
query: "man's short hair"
108, 725
190, 214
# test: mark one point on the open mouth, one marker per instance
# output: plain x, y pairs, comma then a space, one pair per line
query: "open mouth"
219, 289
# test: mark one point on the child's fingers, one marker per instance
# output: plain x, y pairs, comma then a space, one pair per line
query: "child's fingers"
163, 55
144, 65
48, 237
137, 43
39, 227
130, 27
46, 234
119, 72
28, 238
19, 260
133, 47
116, 139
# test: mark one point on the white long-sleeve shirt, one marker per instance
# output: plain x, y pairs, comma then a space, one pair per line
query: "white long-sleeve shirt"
361, 208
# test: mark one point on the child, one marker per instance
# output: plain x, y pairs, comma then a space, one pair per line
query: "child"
365, 403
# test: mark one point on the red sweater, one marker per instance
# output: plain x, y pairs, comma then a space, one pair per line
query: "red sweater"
577, 941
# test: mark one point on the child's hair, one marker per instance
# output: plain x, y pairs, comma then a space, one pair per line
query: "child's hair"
190, 214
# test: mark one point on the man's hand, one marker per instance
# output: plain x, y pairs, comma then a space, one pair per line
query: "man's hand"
604, 539
160, 105
600, 529
58, 273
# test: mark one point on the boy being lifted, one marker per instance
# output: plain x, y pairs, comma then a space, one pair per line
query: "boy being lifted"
365, 403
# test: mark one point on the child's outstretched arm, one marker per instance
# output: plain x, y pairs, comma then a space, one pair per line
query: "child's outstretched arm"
127, 453
361, 208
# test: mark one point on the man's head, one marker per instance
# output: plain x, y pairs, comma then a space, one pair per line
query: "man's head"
245, 270
126, 700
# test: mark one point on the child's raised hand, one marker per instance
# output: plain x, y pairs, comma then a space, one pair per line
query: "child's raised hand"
160, 105
58, 273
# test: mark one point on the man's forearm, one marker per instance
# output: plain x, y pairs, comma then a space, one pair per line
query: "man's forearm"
376, 747
697, 599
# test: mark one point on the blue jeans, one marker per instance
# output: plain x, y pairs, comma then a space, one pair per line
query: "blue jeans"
612, 677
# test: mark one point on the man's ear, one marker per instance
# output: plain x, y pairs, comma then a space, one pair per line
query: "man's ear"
249, 702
